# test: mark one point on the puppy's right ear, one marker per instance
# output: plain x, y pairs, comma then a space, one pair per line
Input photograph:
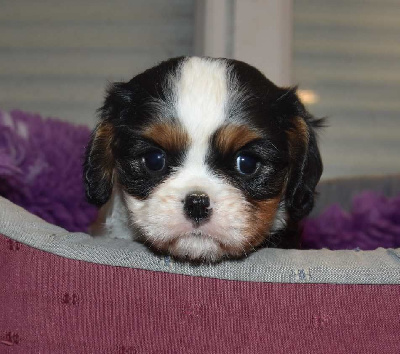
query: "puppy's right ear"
99, 159
99, 164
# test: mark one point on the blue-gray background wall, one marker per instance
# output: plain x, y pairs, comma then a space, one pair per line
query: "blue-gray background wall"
348, 53
56, 57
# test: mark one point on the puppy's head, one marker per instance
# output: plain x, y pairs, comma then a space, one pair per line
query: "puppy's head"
212, 158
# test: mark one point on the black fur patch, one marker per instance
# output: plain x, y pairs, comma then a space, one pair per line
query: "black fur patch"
131, 171
266, 182
127, 108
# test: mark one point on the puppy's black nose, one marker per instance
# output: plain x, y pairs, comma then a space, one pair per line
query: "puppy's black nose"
197, 206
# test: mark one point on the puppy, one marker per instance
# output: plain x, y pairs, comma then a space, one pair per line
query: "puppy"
203, 159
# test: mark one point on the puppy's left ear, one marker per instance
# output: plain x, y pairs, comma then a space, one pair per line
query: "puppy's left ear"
99, 159
305, 166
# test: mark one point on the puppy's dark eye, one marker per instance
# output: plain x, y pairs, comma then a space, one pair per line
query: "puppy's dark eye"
154, 160
246, 164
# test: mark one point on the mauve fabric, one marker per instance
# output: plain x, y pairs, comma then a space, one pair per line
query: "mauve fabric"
52, 304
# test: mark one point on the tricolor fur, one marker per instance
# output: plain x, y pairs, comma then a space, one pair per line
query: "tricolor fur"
202, 114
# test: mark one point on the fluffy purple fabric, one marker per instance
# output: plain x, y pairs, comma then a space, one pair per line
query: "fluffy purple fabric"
41, 168
374, 221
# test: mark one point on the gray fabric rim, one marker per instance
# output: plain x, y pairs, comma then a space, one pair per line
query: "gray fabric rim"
381, 266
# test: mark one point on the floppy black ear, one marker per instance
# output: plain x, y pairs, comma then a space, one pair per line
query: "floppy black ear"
99, 159
305, 162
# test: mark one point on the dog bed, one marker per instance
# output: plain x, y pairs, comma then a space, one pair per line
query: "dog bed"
65, 292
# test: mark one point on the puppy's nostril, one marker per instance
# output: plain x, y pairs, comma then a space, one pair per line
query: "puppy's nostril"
197, 206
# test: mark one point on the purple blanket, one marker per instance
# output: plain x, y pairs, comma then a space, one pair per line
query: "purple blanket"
374, 221
41, 170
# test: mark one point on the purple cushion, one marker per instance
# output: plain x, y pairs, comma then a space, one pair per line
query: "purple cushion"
41, 168
373, 221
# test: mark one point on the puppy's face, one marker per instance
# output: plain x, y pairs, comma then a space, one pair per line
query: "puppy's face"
211, 157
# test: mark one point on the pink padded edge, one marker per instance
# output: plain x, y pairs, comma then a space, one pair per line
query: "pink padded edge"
50, 304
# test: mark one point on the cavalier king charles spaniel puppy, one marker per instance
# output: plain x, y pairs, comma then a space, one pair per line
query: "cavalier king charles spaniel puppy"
203, 159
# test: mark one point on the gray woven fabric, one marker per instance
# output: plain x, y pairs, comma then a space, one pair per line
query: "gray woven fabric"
381, 266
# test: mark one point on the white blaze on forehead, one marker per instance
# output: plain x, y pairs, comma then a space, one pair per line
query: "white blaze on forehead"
201, 95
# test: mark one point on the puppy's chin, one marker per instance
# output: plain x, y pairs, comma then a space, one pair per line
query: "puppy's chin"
194, 246
199, 246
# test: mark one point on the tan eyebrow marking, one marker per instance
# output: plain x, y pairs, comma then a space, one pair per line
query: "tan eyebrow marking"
171, 137
232, 137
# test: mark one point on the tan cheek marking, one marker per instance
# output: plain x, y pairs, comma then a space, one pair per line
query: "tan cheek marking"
261, 219
169, 136
231, 138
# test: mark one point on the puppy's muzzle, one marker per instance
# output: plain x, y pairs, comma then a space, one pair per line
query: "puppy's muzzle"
196, 206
